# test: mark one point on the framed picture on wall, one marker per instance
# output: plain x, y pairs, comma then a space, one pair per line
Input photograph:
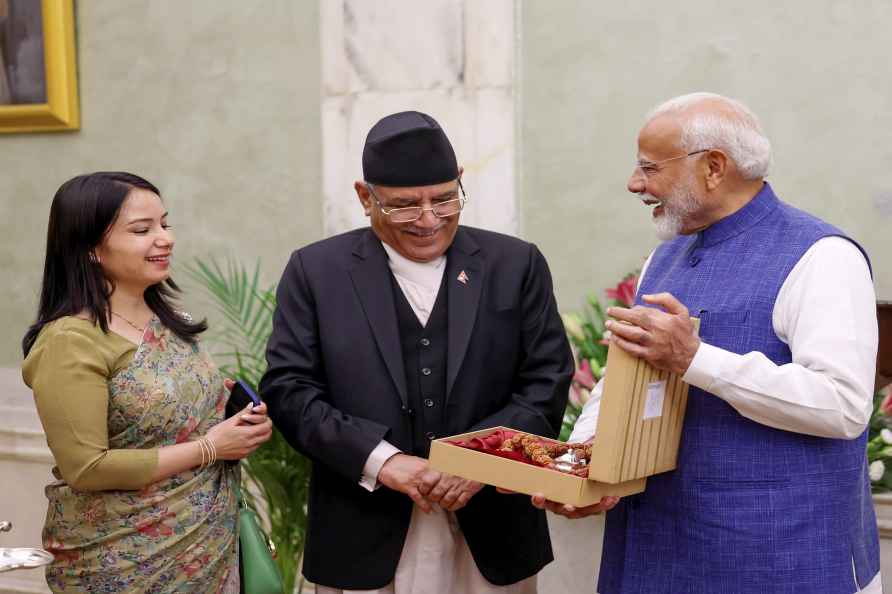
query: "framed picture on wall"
38, 73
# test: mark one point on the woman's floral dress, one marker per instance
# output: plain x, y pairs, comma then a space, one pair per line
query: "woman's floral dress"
176, 535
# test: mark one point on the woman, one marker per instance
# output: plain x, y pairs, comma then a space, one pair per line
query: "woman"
131, 405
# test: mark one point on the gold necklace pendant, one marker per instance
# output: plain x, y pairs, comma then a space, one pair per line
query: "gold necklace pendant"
134, 326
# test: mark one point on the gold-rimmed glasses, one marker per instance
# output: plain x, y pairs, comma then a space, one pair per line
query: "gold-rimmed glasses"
650, 168
410, 214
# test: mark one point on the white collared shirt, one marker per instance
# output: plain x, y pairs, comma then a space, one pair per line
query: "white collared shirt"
420, 281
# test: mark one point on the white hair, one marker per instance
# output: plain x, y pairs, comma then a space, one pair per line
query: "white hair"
732, 128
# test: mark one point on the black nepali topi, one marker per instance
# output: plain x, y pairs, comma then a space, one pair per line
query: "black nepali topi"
408, 149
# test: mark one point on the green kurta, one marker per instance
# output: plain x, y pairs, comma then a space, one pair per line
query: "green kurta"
69, 369
107, 405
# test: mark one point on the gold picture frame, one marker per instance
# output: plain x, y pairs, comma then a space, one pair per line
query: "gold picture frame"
61, 110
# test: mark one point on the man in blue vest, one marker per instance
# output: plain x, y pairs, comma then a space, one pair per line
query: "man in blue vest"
771, 492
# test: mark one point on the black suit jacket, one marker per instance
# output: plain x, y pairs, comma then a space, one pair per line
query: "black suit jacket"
335, 388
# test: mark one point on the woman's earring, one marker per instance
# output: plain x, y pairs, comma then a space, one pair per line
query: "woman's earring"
94, 258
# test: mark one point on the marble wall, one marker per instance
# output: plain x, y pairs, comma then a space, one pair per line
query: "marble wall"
452, 59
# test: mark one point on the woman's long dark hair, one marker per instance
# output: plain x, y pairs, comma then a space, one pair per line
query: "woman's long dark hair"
83, 211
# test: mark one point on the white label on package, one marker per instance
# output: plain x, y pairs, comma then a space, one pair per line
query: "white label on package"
653, 404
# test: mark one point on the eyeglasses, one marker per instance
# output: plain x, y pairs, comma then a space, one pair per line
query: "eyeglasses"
649, 168
410, 214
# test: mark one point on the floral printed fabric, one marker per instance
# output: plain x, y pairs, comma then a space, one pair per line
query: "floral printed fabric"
176, 535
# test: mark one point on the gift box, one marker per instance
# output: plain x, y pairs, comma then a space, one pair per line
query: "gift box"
640, 420
483, 466
638, 433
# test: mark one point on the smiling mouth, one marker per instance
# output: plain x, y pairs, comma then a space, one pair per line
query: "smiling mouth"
650, 201
656, 204
423, 233
159, 259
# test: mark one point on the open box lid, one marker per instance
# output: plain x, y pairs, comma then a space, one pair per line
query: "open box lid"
640, 419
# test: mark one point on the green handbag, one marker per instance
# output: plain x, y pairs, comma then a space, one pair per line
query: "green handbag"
259, 572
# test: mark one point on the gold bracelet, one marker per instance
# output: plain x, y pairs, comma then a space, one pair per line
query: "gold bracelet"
207, 457
201, 449
213, 449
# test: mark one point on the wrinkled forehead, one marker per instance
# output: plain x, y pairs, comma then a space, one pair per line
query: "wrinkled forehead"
418, 192
660, 138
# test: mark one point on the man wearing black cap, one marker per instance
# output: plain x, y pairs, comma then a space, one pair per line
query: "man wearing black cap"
389, 337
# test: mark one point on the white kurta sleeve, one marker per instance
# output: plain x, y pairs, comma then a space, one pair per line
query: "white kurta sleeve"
826, 313
587, 422
383, 452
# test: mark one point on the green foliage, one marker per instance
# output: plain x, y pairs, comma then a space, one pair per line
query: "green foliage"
275, 470
571, 413
585, 331
586, 334
591, 346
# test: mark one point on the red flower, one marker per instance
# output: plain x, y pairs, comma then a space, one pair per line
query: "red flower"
584, 375
624, 292
886, 404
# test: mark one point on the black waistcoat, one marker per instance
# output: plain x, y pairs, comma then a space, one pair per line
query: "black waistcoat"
424, 358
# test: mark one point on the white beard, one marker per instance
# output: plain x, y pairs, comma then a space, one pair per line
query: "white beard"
679, 203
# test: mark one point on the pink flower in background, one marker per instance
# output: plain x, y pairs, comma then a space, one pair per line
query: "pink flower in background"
583, 382
886, 404
624, 292
578, 395
584, 376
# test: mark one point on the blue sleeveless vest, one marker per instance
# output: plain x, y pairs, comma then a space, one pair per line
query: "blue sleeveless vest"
749, 508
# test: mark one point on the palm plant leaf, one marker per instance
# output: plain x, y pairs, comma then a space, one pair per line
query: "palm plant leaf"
279, 474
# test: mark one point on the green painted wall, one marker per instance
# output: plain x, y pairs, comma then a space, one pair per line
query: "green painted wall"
215, 101
589, 71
